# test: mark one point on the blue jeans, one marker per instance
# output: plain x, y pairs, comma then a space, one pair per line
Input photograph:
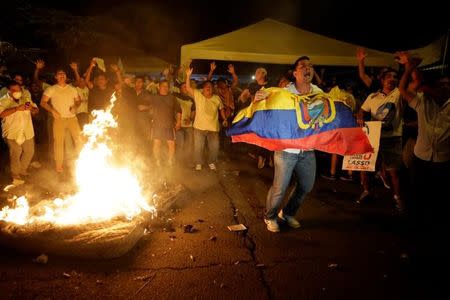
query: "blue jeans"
184, 140
199, 143
304, 166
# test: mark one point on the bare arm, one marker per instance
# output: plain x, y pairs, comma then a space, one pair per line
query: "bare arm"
361, 56
188, 82
40, 64
178, 123
74, 67
89, 83
406, 93
45, 105
116, 70
12, 110
223, 114
34, 110
212, 67
360, 117
232, 71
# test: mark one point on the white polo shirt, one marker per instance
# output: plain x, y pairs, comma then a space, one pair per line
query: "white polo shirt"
17, 126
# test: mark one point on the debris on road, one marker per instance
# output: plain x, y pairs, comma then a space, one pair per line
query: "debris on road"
189, 229
41, 259
192, 257
213, 238
260, 265
238, 227
333, 266
66, 275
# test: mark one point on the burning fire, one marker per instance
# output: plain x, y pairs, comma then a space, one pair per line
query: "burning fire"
104, 191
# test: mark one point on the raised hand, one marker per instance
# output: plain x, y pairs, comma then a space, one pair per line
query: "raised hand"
74, 66
361, 54
231, 69
189, 71
93, 63
115, 68
212, 66
40, 64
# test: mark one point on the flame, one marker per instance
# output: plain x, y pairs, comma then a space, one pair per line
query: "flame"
104, 192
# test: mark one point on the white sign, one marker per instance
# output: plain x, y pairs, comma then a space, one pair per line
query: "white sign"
366, 161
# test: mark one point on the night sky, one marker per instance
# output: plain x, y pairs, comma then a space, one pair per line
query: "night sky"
161, 27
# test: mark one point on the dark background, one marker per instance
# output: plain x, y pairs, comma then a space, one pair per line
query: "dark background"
85, 28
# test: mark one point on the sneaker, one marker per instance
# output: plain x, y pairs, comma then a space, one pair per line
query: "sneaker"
291, 221
17, 181
399, 206
261, 162
272, 225
36, 164
346, 177
212, 166
363, 197
329, 177
198, 167
383, 180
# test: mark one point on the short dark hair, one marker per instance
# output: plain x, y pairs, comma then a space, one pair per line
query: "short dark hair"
139, 77
101, 74
17, 74
164, 81
206, 82
387, 71
12, 83
304, 57
222, 80
60, 69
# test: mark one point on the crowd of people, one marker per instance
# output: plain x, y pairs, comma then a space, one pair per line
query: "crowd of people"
177, 117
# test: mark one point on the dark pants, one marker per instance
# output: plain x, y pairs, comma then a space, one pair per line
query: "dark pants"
429, 208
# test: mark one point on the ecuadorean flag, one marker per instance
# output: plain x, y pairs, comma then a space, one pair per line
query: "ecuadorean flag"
320, 121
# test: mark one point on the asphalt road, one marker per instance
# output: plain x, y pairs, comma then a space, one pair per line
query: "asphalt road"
342, 251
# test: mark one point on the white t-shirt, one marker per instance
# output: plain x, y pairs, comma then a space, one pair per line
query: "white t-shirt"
84, 95
206, 111
62, 99
388, 109
186, 110
291, 88
17, 126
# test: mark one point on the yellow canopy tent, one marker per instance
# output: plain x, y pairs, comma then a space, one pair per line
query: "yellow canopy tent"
144, 64
270, 41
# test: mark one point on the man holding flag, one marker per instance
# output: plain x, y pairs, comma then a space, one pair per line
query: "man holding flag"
293, 122
302, 162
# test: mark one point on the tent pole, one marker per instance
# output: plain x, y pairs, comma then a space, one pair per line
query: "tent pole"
445, 52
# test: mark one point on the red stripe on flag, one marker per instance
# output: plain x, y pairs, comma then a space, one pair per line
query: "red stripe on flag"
342, 141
